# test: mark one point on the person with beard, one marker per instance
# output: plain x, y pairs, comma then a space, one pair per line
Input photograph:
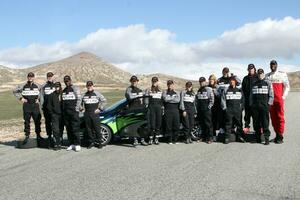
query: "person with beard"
281, 88
171, 106
232, 102
29, 95
71, 99
247, 84
133, 94
93, 103
54, 107
205, 102
46, 89
155, 104
188, 110
261, 98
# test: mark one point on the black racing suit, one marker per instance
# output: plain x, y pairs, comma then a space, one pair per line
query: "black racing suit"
134, 96
155, 104
46, 90
31, 92
188, 105
54, 107
223, 84
71, 104
205, 101
247, 85
171, 105
232, 101
261, 97
91, 101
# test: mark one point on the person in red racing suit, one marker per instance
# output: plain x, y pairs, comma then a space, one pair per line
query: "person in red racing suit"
281, 88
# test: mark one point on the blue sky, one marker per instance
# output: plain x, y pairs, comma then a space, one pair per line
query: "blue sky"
30, 21
24, 23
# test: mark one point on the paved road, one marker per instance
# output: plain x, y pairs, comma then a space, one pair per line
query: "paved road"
196, 171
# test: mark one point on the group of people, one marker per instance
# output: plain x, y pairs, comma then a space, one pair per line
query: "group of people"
61, 109
217, 106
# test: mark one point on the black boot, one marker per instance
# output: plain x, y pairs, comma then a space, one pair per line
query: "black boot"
25, 140
39, 139
240, 139
267, 142
279, 139
258, 138
91, 145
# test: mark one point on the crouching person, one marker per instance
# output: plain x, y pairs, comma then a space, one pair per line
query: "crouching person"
232, 102
261, 98
171, 104
188, 108
93, 103
54, 107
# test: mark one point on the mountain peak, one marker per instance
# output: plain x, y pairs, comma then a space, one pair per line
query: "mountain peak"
85, 55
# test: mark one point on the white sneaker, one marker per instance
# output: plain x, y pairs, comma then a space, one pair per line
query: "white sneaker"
77, 148
71, 147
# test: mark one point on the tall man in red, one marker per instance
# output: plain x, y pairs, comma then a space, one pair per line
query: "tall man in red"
281, 89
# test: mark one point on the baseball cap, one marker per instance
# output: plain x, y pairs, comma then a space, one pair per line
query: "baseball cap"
202, 79
133, 79
260, 71
225, 69
30, 74
67, 78
251, 66
170, 82
189, 84
154, 79
89, 83
273, 62
50, 74
57, 84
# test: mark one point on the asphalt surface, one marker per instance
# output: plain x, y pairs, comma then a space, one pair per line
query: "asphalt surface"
196, 171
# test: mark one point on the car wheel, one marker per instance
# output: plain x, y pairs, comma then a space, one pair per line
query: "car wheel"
106, 134
196, 133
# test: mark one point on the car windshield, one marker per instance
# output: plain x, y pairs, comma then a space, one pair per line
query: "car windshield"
115, 105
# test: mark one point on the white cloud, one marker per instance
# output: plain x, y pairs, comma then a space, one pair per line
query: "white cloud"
138, 50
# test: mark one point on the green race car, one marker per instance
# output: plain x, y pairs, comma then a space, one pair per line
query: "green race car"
121, 121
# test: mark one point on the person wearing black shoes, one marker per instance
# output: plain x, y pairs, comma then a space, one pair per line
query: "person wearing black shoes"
154, 103
29, 95
261, 98
46, 90
205, 101
71, 104
247, 84
93, 103
232, 102
188, 110
171, 107
134, 95
54, 107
